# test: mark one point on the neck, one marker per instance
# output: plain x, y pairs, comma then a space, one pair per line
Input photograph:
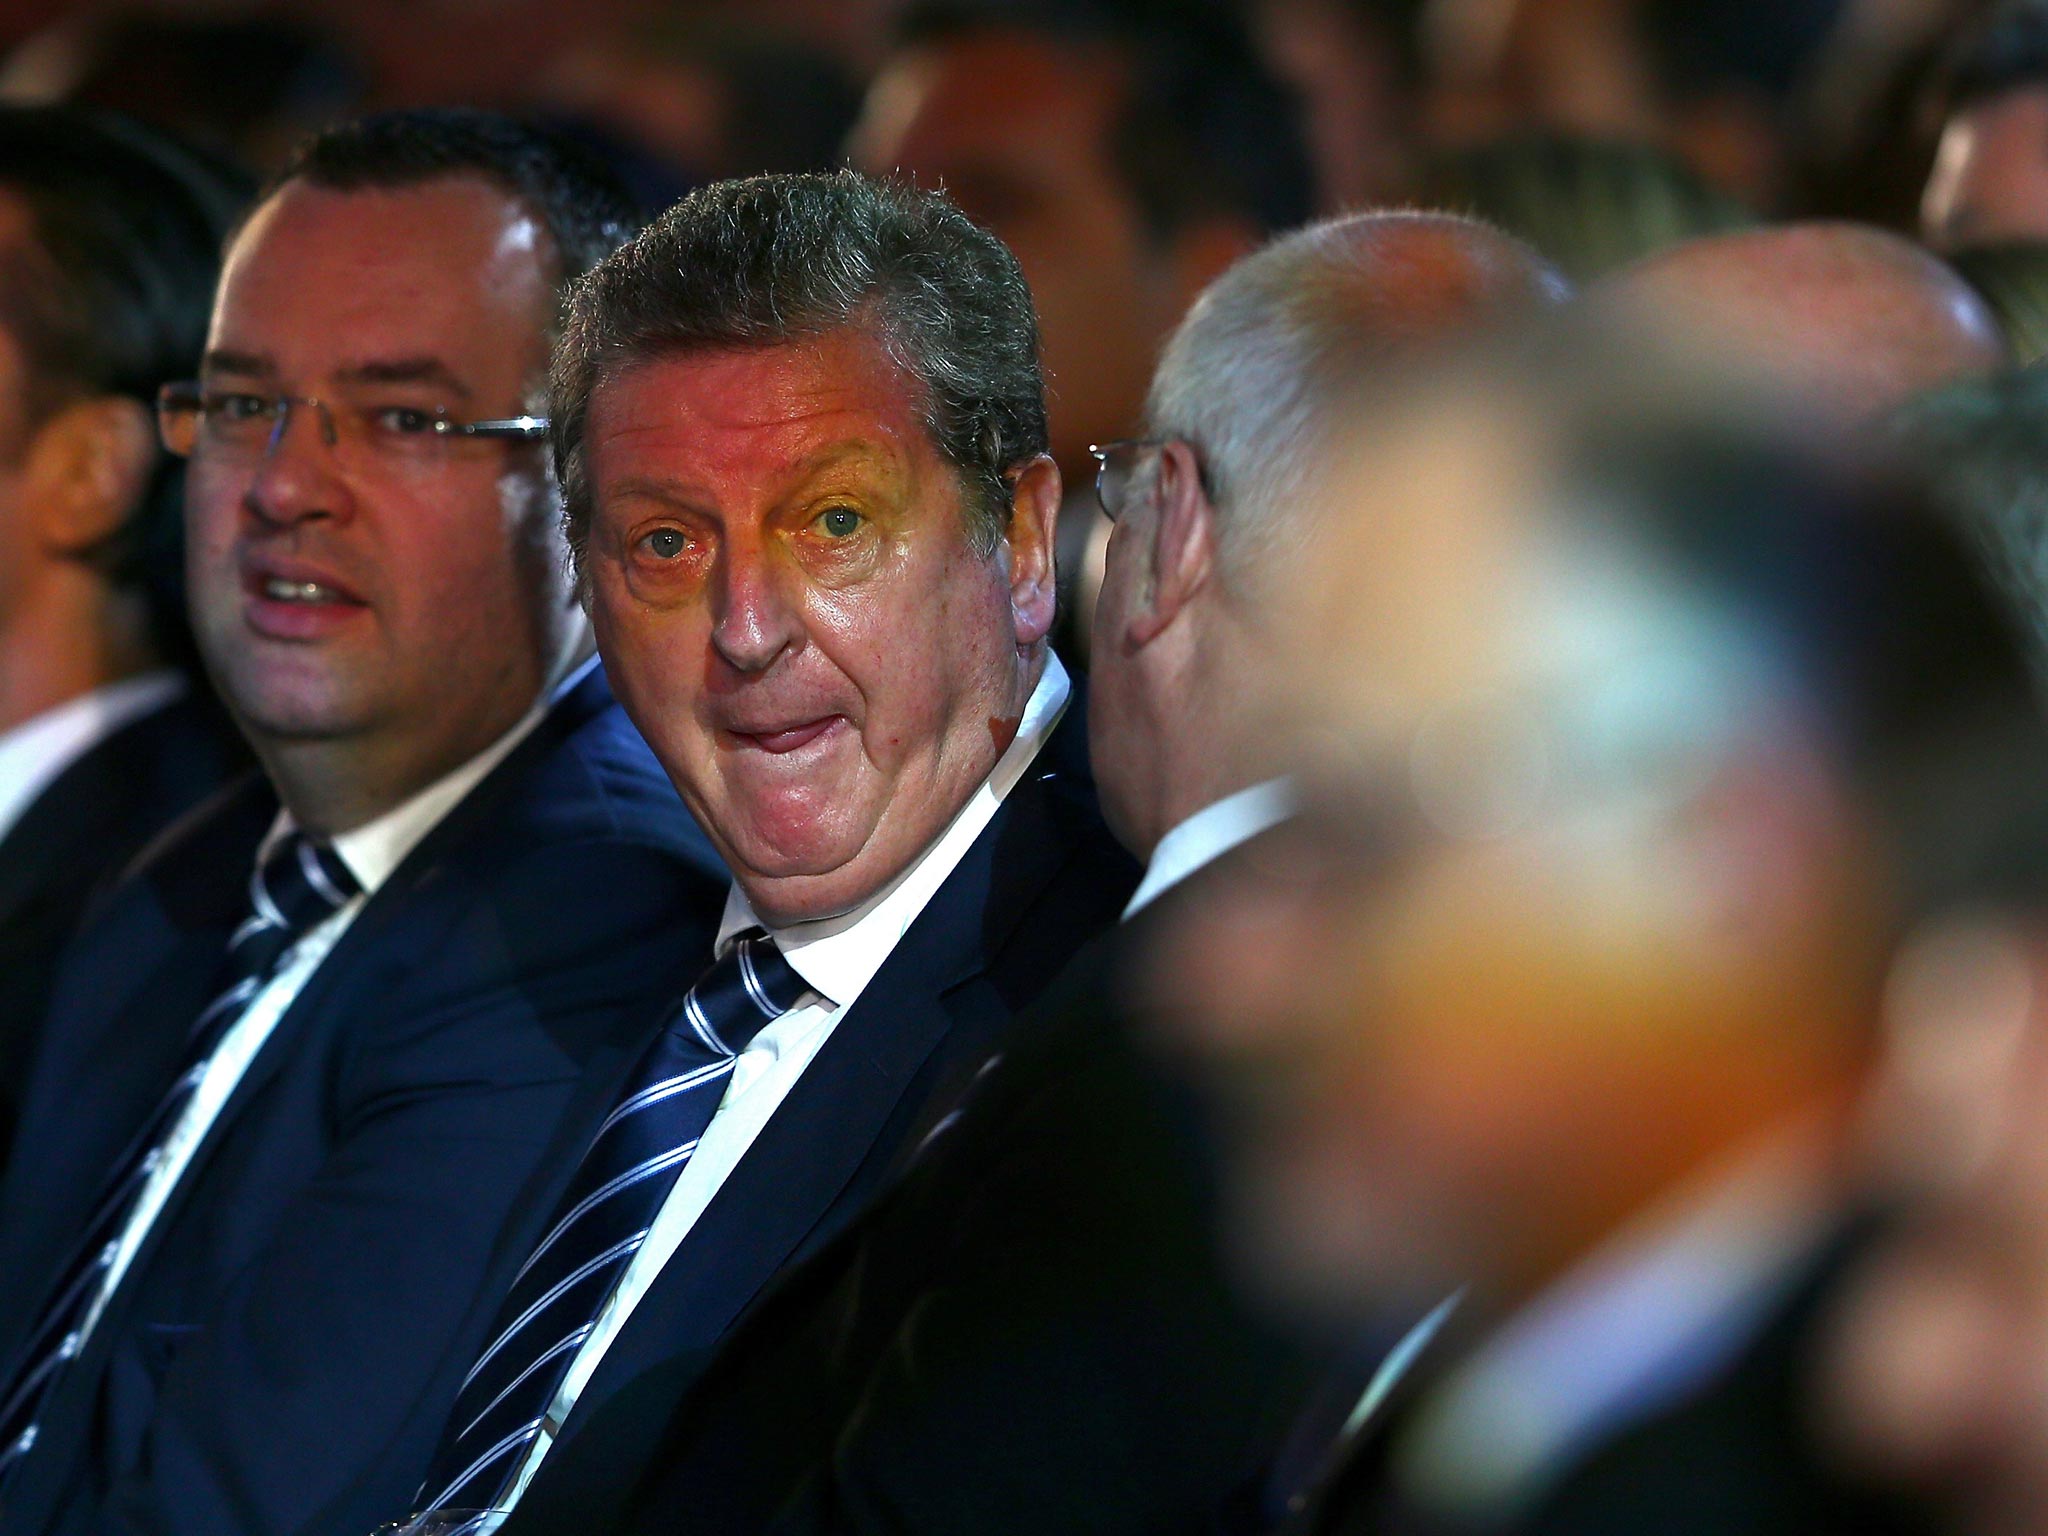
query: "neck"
333, 785
1209, 740
75, 637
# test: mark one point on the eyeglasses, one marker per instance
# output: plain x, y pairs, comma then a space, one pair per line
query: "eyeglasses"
235, 423
1116, 471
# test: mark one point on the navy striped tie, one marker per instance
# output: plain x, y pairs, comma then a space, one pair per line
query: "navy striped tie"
299, 883
619, 1189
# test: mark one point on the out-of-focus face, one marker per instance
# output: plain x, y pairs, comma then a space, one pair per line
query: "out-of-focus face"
1435, 1048
1990, 178
791, 608
1018, 135
1938, 1375
408, 606
1503, 979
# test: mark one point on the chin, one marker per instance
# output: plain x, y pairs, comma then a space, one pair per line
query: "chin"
266, 707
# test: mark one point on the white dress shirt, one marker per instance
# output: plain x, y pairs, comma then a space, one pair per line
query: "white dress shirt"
372, 852
1209, 834
35, 752
838, 957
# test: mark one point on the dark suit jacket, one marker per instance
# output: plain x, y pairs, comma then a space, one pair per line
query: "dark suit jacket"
1043, 877
86, 826
1030, 1332
304, 1287
1737, 1456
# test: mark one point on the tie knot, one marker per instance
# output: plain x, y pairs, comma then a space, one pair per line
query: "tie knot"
301, 882
745, 990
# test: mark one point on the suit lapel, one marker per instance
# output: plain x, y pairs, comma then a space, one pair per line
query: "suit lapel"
326, 999
326, 996
852, 1118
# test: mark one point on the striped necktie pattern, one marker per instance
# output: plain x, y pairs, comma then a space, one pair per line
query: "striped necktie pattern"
639, 1149
298, 884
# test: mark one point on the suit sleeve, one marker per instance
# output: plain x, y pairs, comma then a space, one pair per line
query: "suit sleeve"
442, 1102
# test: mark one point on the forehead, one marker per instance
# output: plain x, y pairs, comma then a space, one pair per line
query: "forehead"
761, 413
320, 278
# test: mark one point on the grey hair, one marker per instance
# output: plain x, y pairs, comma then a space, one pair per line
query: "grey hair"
770, 260
1270, 354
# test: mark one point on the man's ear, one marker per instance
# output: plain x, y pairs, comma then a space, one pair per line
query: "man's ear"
1182, 556
1034, 516
86, 469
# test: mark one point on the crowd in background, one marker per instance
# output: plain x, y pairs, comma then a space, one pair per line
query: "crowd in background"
1527, 1012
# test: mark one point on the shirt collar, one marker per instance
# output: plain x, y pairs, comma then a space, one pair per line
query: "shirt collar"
374, 850
839, 955
35, 752
1656, 1310
1209, 834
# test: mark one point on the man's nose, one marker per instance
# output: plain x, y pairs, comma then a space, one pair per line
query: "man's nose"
755, 617
298, 478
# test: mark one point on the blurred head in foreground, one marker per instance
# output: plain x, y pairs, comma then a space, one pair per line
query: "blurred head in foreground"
1635, 746
1842, 321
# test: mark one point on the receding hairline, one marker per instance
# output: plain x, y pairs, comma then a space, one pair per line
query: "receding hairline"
439, 179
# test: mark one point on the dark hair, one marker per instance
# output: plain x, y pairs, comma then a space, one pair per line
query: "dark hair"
1590, 205
2013, 278
1769, 50
1203, 129
768, 260
585, 209
2006, 51
112, 292
1984, 445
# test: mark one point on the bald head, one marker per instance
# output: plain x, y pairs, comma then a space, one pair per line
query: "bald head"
1851, 322
1289, 333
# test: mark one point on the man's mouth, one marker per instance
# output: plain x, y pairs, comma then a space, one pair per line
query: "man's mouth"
298, 605
281, 591
787, 738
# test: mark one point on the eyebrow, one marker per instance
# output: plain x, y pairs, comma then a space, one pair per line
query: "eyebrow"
220, 360
400, 370
405, 370
677, 490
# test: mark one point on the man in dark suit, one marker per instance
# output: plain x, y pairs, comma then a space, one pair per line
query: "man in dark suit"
801, 429
1645, 742
110, 240
1034, 1331
306, 1057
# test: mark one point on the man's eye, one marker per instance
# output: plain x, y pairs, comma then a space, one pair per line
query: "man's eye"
227, 405
663, 543
839, 522
402, 420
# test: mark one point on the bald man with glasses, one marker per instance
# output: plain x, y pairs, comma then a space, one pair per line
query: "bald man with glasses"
306, 1060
